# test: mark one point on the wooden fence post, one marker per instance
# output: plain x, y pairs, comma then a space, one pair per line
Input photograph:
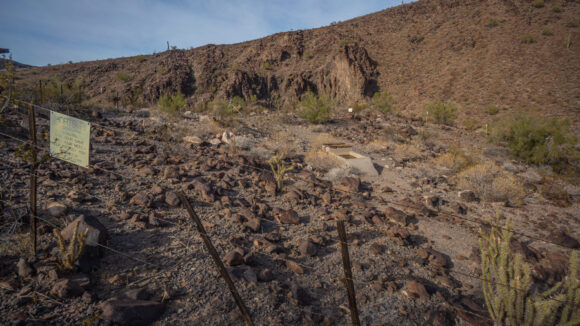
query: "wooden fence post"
33, 166
347, 273
216, 258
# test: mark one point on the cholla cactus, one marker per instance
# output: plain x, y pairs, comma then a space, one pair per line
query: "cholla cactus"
279, 169
507, 286
69, 255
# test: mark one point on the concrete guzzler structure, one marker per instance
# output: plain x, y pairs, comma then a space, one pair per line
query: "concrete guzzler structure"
353, 160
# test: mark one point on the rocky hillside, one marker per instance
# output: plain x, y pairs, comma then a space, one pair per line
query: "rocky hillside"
508, 53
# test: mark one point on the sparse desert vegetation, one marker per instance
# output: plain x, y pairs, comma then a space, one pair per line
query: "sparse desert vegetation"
411, 131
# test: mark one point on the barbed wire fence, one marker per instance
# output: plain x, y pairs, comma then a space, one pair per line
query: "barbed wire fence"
201, 234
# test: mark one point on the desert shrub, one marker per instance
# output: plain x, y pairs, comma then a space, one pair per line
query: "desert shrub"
492, 22
359, 107
315, 109
220, 108
279, 169
57, 91
382, 102
440, 112
538, 3
455, 159
470, 124
511, 297
237, 103
538, 141
123, 76
552, 188
491, 110
528, 39
556, 8
546, 32
172, 104
266, 65
571, 24
490, 183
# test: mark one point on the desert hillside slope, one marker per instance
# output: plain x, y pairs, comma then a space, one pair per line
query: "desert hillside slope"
469, 52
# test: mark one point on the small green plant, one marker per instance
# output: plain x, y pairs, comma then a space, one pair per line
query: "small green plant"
492, 22
123, 76
235, 68
279, 169
237, 103
507, 285
491, 110
471, 124
538, 3
69, 255
538, 141
556, 8
528, 39
315, 109
308, 55
172, 104
359, 107
571, 24
546, 32
440, 112
266, 65
569, 41
221, 109
383, 102
343, 42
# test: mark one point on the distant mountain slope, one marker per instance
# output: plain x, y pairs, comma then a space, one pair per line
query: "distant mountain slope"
473, 53
4, 62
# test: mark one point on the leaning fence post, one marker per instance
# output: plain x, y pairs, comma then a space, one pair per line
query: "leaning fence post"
216, 258
33, 165
347, 273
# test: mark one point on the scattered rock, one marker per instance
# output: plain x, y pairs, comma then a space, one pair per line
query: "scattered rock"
67, 288
170, 172
398, 234
234, 257
130, 311
253, 225
265, 275
56, 209
300, 295
24, 268
141, 199
193, 140
288, 217
306, 247
416, 289
172, 199
397, 216
295, 267
467, 195
348, 184
562, 238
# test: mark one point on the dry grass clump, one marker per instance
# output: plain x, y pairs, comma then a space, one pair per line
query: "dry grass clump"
456, 159
491, 183
552, 188
321, 160
408, 152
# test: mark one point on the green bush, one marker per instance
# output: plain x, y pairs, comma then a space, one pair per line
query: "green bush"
383, 102
266, 65
492, 22
123, 76
315, 109
546, 32
528, 39
440, 112
571, 24
556, 8
538, 141
172, 104
491, 110
221, 109
538, 4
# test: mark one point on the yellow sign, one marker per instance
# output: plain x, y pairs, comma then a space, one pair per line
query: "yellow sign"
69, 139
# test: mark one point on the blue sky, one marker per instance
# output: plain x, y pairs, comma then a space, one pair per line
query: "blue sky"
40, 32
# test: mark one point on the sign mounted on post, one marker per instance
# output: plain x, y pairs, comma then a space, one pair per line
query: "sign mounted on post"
69, 139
